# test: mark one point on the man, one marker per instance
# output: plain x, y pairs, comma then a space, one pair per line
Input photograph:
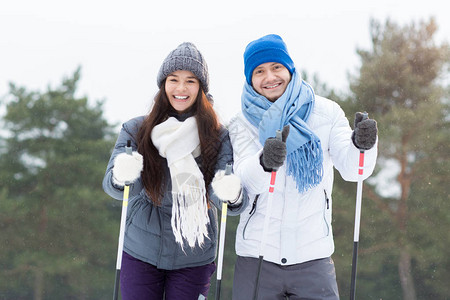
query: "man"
316, 137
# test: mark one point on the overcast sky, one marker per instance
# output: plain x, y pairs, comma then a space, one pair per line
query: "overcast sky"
120, 45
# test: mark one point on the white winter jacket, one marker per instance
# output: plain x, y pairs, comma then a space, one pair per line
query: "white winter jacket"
300, 223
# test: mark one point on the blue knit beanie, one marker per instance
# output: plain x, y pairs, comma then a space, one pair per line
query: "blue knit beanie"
269, 48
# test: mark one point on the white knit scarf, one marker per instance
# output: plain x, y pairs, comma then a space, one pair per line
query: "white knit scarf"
177, 141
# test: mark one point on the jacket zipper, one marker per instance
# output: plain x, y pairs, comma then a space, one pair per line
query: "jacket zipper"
254, 205
327, 203
251, 213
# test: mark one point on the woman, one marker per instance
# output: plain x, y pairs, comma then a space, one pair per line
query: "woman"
175, 174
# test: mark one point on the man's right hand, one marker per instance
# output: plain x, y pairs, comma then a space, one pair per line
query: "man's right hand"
274, 151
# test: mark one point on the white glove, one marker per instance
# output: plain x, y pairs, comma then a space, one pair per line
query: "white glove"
127, 168
227, 187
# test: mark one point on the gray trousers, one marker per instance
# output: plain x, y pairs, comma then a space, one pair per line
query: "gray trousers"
307, 281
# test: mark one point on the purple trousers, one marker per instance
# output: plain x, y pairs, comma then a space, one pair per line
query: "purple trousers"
142, 281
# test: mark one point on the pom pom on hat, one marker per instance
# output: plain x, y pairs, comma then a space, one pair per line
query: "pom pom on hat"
269, 48
185, 57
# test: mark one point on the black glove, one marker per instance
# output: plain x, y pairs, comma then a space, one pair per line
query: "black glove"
274, 151
365, 132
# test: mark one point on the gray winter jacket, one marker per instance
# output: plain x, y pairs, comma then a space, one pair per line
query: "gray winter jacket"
148, 234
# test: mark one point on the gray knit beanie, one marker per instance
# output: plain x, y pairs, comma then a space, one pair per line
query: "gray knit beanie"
185, 57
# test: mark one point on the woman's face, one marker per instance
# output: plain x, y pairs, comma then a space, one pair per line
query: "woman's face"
182, 88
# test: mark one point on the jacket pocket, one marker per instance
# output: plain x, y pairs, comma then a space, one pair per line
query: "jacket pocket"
144, 215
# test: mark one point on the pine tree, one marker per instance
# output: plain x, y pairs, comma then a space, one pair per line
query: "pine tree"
58, 226
403, 84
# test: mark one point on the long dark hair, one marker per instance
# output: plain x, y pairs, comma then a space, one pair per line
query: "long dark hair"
208, 130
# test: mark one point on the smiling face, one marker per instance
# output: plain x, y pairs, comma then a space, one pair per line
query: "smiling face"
270, 80
182, 88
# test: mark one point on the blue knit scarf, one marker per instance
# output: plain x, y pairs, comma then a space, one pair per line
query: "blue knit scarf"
304, 151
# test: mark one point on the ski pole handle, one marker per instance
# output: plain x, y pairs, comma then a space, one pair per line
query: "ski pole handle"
228, 169
359, 189
128, 149
365, 116
279, 137
273, 176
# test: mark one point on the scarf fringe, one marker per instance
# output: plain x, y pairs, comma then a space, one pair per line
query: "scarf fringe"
305, 165
190, 215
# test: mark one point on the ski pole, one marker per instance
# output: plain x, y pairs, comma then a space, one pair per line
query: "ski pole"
123, 217
357, 219
223, 227
266, 225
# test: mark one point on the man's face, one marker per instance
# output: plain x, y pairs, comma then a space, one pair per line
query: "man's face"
270, 80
